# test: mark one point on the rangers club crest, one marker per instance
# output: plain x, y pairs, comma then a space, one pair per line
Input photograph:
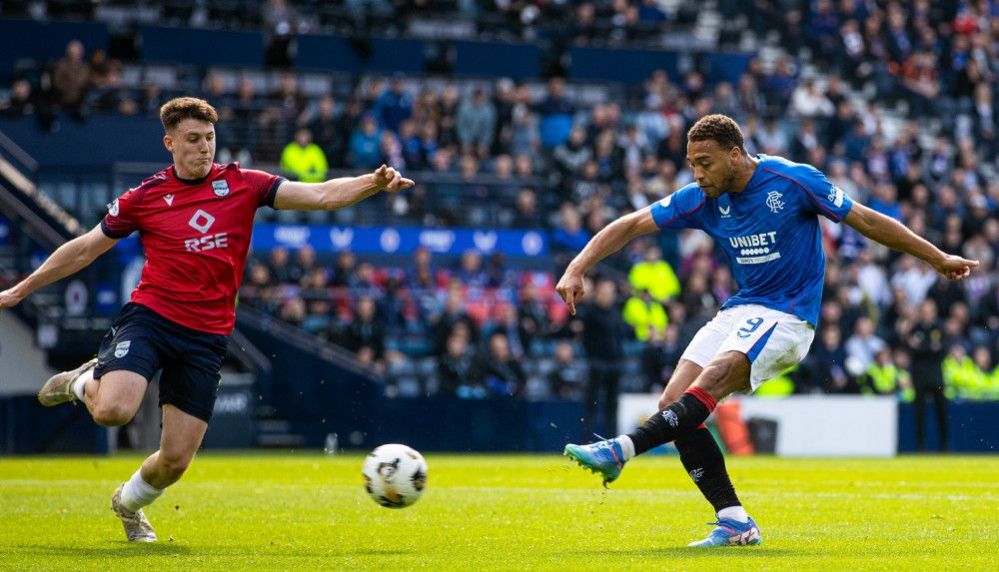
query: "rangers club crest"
774, 201
221, 188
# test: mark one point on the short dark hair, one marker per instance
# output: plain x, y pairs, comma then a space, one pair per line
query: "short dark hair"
181, 108
719, 128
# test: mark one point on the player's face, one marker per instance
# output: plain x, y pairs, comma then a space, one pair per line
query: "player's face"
713, 166
192, 144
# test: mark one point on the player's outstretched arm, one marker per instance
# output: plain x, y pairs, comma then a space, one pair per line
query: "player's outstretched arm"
894, 234
612, 238
68, 259
338, 193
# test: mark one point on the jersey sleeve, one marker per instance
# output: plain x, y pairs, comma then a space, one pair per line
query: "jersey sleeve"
823, 197
680, 210
122, 218
264, 185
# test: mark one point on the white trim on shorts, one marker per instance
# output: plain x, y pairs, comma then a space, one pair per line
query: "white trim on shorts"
772, 340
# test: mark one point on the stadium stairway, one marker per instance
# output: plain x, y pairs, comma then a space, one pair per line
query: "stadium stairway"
313, 388
31, 226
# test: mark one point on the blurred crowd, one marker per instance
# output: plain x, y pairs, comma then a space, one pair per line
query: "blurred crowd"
895, 101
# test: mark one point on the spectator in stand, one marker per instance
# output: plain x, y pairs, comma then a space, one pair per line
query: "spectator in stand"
654, 275
21, 101
391, 150
922, 83
323, 124
570, 237
451, 316
572, 154
603, 334
499, 274
824, 369
246, 113
448, 113
394, 105
862, 346
112, 96
659, 356
527, 214
422, 273
476, 124
305, 265
365, 282
258, 290
100, 67
568, 377
365, 336
318, 320
507, 324
470, 273
410, 146
808, 101
279, 266
365, 143
345, 273
71, 80
458, 369
501, 371
645, 315
293, 311
534, 322
556, 114
929, 344
303, 160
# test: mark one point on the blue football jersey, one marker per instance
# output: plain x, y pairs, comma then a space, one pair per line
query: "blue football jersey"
770, 232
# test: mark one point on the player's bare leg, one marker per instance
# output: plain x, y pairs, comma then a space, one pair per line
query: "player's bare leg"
182, 435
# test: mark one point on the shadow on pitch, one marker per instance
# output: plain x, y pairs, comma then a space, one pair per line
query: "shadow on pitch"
121, 549
692, 553
124, 549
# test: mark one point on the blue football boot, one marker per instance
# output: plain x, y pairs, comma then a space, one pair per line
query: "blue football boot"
603, 457
730, 532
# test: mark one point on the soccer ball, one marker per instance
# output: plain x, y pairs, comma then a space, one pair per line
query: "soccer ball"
395, 475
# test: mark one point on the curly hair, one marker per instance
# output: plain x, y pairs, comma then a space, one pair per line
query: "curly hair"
720, 128
181, 108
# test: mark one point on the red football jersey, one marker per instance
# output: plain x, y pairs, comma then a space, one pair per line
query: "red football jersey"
196, 235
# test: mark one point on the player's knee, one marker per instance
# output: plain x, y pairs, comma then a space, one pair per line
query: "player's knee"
111, 415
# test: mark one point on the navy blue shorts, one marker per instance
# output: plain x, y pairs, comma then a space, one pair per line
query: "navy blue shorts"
144, 342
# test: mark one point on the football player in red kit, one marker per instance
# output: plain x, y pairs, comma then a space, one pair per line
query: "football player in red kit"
195, 219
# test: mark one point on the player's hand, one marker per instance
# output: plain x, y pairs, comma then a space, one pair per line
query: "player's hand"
388, 179
955, 267
8, 300
570, 288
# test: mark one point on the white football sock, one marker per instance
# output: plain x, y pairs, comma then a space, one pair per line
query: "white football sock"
80, 383
627, 447
138, 493
734, 513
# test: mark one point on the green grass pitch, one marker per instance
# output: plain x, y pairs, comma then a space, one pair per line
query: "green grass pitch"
302, 510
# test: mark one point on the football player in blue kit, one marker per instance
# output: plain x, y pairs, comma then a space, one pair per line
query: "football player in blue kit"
763, 211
